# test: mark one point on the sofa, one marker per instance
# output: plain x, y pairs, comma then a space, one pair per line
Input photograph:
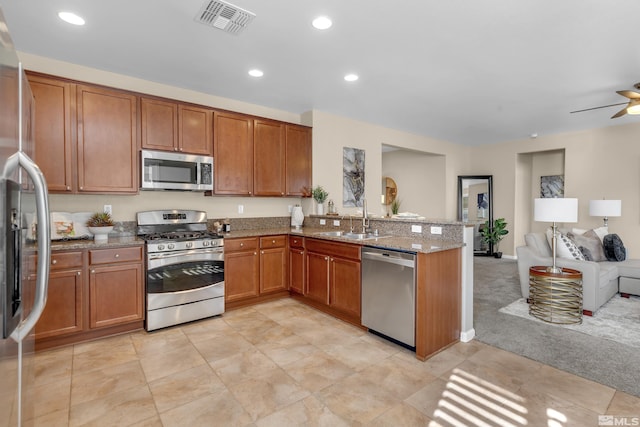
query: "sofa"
600, 280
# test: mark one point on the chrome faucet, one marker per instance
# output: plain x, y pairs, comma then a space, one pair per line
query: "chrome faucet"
365, 219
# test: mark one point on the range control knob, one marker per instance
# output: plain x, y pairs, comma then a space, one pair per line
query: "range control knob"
160, 247
189, 244
171, 246
206, 243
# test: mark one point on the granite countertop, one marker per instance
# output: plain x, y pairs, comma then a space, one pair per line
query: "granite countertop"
63, 245
410, 244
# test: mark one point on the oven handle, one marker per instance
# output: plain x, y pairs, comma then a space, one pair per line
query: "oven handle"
195, 255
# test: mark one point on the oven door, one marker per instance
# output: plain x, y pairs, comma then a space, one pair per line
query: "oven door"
184, 277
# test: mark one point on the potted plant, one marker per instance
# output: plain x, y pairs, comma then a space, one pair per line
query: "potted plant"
493, 235
319, 195
100, 225
395, 206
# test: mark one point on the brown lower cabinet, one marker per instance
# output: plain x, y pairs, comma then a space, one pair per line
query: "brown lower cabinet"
333, 273
297, 265
92, 293
255, 269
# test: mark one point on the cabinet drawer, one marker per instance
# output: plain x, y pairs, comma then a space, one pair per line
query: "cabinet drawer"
343, 250
296, 242
110, 256
63, 260
273, 242
245, 244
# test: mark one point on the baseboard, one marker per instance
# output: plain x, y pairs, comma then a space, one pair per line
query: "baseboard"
509, 256
466, 336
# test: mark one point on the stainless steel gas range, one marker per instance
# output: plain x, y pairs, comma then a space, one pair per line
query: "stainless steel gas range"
185, 267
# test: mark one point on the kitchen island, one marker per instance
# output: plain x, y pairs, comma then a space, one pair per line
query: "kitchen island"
336, 263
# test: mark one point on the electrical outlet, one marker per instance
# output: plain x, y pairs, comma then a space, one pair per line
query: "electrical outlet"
416, 229
323, 222
107, 209
240, 209
436, 230
336, 223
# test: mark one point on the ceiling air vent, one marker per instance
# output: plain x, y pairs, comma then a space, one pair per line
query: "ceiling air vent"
224, 16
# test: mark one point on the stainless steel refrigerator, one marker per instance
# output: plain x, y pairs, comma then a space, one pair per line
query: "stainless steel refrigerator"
24, 239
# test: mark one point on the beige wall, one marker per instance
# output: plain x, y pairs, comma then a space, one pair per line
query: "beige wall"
416, 174
331, 133
597, 163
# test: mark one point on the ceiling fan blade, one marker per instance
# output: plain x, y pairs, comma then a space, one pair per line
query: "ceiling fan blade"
629, 94
620, 113
597, 108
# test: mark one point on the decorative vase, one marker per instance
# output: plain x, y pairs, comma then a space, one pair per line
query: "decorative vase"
320, 209
297, 216
100, 234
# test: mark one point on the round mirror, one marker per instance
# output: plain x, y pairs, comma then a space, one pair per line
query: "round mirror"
389, 190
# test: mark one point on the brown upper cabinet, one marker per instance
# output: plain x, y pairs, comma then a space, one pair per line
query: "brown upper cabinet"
107, 140
55, 150
260, 157
171, 126
233, 153
268, 158
85, 136
298, 161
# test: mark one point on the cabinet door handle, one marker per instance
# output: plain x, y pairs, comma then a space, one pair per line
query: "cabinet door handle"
82, 188
68, 188
54, 261
117, 255
93, 272
326, 258
255, 253
262, 252
78, 273
273, 241
241, 244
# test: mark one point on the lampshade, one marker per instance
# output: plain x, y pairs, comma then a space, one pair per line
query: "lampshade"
555, 210
605, 207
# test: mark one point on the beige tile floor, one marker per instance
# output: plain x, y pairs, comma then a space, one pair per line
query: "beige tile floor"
282, 363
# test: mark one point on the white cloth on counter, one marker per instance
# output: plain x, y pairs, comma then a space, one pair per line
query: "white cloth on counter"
67, 225
408, 215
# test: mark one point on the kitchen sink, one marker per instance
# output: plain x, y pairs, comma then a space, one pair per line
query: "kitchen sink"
352, 236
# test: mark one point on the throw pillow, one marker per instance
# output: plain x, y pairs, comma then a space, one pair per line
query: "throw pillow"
565, 248
590, 243
601, 232
614, 250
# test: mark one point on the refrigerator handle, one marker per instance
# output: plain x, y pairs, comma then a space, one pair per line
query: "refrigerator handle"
44, 246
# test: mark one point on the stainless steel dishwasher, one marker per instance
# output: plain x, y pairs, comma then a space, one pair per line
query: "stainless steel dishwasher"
389, 294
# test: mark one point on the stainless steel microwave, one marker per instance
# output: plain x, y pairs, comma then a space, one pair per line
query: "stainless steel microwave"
176, 171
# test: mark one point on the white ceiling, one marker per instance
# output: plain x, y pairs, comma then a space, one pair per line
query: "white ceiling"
465, 71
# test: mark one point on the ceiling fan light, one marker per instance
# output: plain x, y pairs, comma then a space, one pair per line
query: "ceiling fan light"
633, 108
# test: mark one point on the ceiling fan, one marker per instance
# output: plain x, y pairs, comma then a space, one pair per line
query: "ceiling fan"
633, 106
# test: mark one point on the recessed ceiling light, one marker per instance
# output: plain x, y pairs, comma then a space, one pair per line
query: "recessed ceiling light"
71, 18
351, 77
256, 73
322, 23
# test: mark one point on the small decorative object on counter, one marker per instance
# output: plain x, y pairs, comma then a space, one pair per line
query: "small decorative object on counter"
226, 226
100, 225
395, 206
297, 217
332, 208
319, 195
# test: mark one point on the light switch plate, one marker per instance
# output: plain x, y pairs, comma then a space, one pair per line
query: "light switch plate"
107, 209
336, 222
240, 209
436, 230
416, 228
323, 222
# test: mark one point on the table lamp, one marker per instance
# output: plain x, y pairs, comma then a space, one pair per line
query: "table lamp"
605, 208
555, 210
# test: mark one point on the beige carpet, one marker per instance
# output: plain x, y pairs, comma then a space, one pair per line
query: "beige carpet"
618, 320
